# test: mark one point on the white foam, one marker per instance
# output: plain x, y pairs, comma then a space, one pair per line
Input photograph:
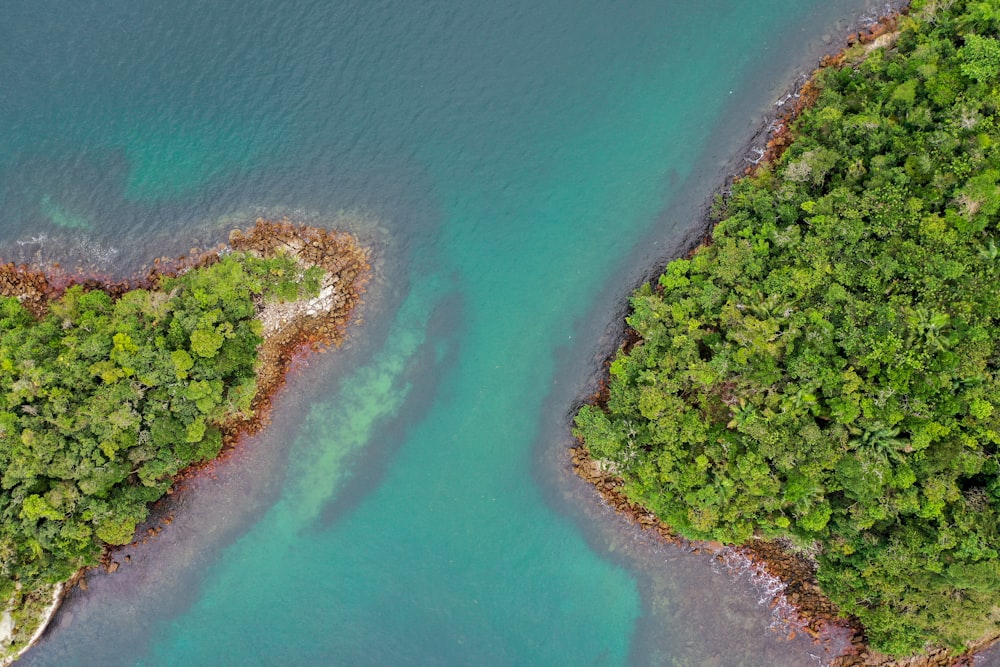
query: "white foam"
769, 589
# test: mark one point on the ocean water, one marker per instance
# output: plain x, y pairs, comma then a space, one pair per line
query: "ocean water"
516, 167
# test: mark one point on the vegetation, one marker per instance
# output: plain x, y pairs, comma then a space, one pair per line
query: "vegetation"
104, 400
828, 368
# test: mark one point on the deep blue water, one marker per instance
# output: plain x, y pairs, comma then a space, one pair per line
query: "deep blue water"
516, 168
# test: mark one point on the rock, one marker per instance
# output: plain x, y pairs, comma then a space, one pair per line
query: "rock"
6, 627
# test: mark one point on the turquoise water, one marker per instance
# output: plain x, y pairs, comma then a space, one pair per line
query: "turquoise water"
516, 167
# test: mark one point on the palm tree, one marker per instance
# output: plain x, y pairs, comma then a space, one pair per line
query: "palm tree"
990, 252
982, 17
742, 413
930, 326
879, 441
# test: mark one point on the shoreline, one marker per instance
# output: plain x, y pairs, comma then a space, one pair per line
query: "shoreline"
771, 135
291, 331
805, 608
50, 612
811, 611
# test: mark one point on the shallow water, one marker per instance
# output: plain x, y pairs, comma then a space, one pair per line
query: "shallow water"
517, 167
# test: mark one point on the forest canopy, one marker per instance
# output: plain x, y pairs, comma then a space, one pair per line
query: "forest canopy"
103, 400
827, 368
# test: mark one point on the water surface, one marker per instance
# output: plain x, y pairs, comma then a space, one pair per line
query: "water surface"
516, 167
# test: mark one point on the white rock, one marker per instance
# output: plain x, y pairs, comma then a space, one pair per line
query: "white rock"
6, 628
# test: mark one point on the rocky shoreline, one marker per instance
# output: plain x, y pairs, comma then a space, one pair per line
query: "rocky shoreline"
813, 612
290, 330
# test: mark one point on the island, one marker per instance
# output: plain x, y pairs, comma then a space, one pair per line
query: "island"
819, 381
113, 389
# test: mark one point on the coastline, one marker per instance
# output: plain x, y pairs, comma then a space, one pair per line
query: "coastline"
50, 612
290, 330
811, 611
805, 608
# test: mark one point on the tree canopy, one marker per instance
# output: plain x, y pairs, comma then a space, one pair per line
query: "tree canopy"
104, 400
827, 368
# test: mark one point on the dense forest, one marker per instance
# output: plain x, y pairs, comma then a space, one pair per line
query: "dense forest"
105, 399
827, 367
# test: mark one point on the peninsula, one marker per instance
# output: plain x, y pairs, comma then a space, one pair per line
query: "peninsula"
112, 389
823, 373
